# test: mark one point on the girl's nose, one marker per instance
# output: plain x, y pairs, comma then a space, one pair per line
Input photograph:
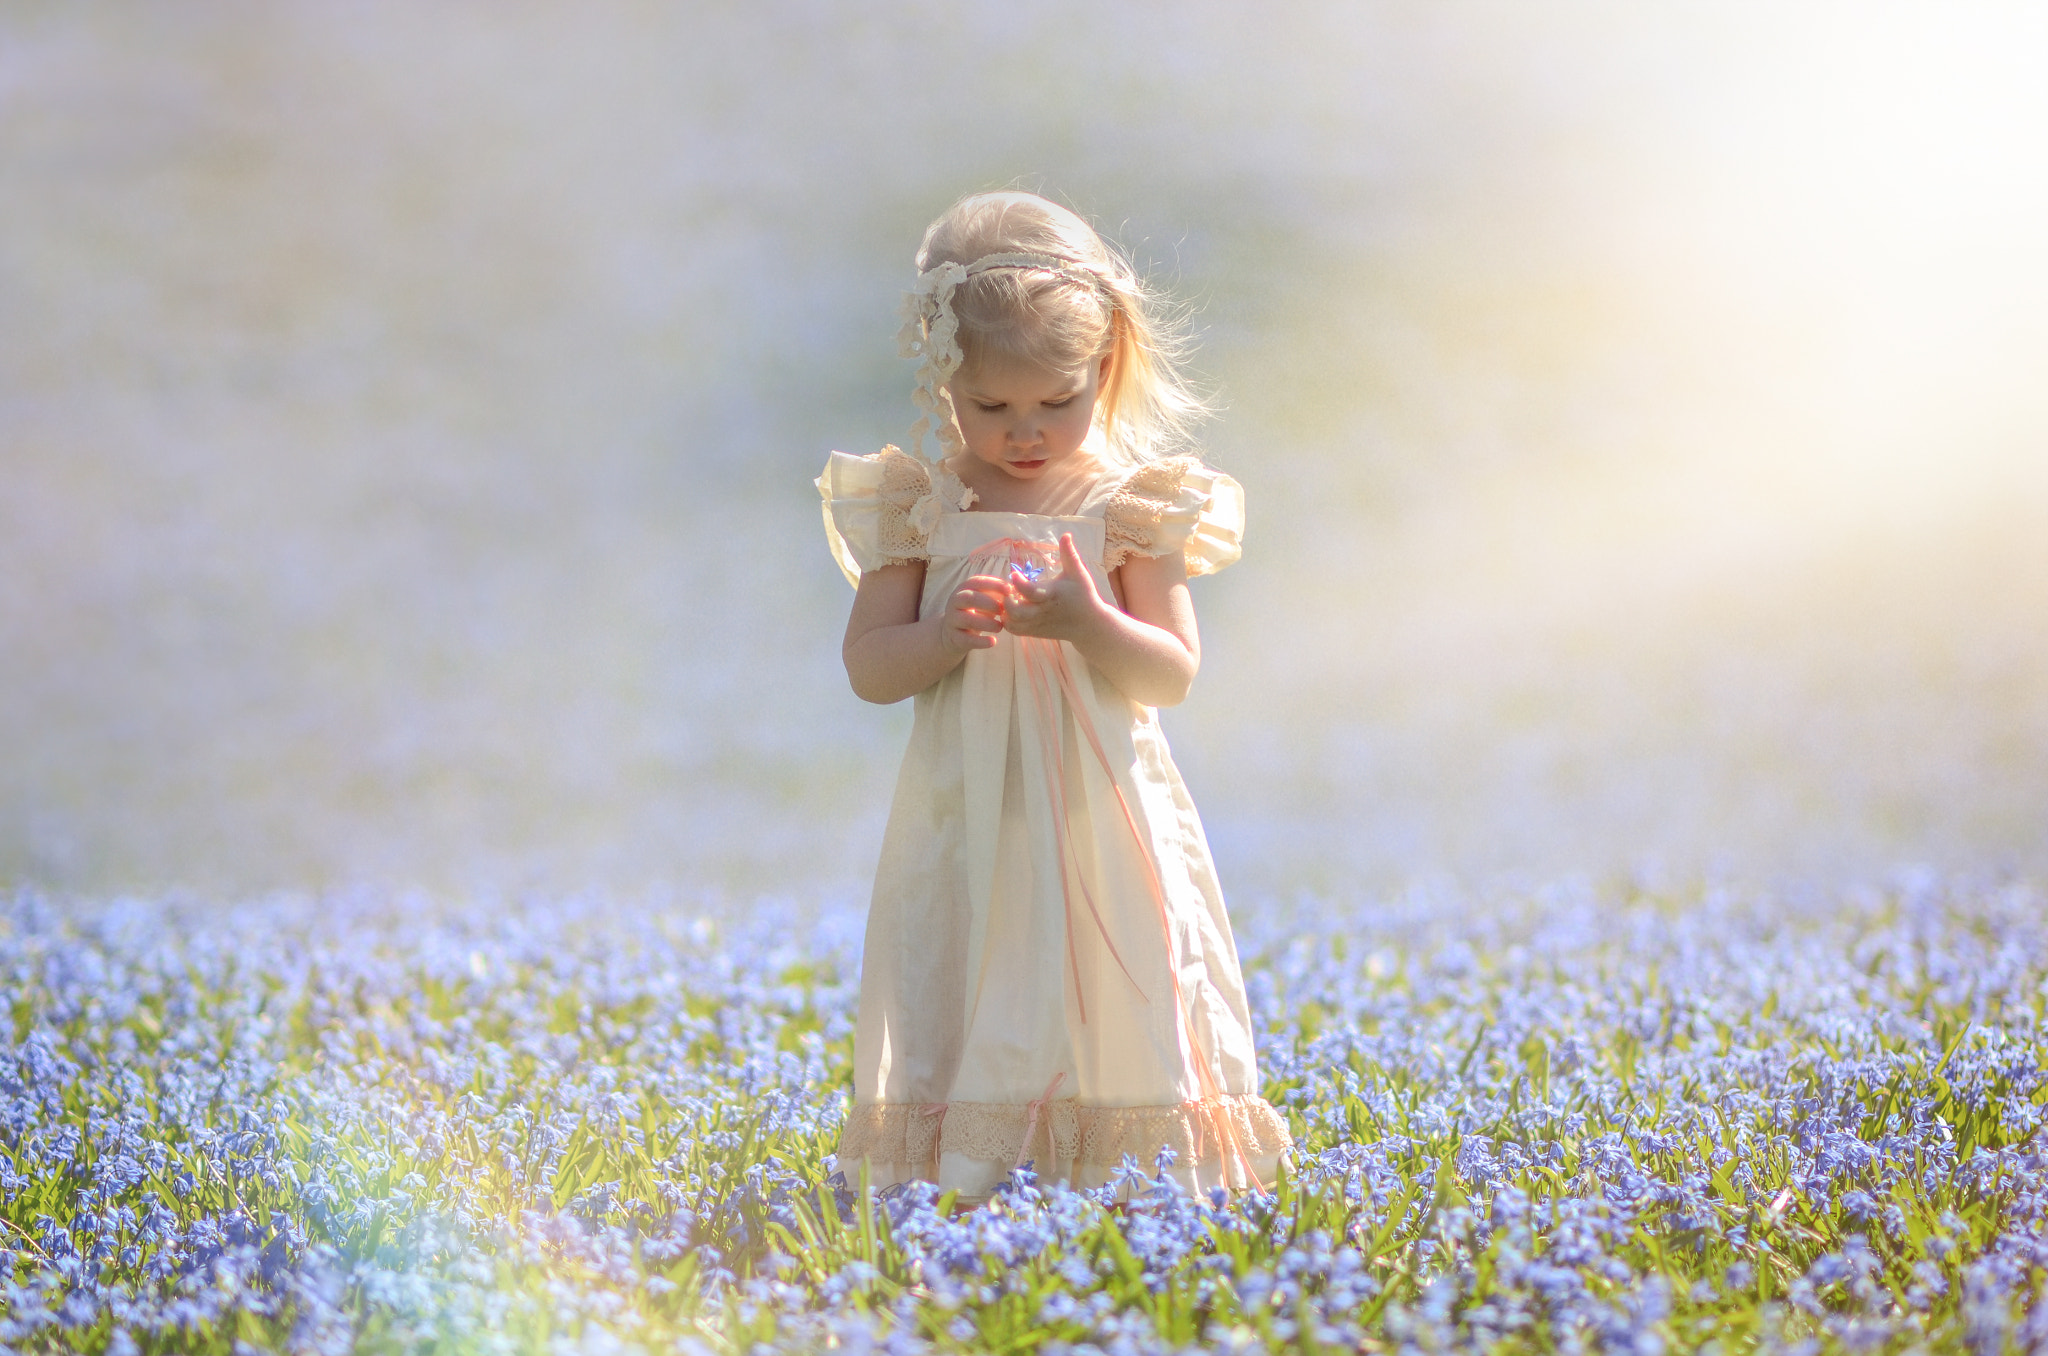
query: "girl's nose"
1024, 433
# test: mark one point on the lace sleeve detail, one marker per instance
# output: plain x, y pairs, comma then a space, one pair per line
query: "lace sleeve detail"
1175, 504
879, 510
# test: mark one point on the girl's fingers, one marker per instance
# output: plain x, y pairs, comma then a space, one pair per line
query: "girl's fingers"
985, 604
977, 601
1072, 566
1026, 618
977, 615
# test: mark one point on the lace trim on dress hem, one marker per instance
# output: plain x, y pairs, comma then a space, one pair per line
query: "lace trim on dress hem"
915, 1135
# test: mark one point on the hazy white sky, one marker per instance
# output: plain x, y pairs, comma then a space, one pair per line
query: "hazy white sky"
407, 416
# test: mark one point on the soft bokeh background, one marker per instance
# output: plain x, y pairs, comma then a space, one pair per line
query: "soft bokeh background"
407, 413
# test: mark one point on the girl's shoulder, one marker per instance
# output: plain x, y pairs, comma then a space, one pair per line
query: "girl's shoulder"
880, 509
1173, 504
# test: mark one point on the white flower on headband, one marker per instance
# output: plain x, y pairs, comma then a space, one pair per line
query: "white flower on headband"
931, 332
924, 515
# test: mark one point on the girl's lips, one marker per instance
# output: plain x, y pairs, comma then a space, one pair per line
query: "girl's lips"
1027, 465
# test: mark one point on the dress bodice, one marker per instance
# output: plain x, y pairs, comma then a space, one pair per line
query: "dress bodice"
891, 508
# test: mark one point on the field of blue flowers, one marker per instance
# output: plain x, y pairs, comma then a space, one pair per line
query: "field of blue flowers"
1580, 1118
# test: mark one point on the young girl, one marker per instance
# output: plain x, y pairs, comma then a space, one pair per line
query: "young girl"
1049, 974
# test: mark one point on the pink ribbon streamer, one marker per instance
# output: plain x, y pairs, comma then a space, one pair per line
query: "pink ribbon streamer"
1050, 676
1034, 1109
935, 1111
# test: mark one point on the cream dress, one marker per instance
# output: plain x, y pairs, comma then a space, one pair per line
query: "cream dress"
1049, 974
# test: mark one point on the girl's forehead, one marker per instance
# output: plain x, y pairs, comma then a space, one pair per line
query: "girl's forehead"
1006, 370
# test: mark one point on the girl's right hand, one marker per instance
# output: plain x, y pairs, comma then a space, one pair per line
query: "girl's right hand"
974, 614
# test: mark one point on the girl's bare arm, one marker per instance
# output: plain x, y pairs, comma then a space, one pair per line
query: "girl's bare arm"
1149, 647
892, 653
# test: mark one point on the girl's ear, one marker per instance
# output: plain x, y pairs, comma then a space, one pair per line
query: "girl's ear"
1103, 369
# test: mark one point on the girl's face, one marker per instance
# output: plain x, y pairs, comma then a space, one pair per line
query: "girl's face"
1024, 419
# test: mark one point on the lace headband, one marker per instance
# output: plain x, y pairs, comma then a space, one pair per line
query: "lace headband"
932, 332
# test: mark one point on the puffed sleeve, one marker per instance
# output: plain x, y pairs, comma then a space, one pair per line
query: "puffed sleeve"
879, 510
1175, 504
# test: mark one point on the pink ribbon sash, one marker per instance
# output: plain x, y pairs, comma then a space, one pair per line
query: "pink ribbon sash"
1051, 678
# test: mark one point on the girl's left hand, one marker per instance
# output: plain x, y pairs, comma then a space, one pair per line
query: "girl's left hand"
1062, 608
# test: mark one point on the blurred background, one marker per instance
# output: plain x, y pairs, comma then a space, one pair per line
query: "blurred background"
407, 415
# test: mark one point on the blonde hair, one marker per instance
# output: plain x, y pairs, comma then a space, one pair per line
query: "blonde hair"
1064, 317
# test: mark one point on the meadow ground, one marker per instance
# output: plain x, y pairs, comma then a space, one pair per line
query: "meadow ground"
409, 417
1575, 1118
